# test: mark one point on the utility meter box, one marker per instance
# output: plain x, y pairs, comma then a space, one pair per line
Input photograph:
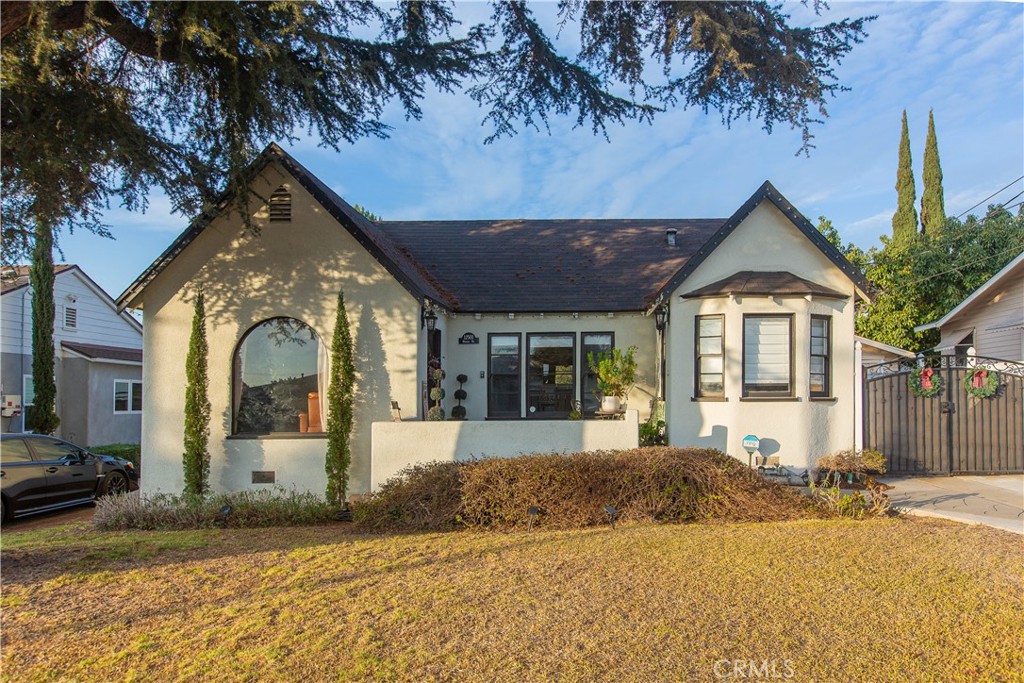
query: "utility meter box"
11, 406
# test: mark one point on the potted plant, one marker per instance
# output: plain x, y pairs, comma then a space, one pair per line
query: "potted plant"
616, 375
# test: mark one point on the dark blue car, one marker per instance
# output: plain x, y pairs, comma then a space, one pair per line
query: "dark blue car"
41, 473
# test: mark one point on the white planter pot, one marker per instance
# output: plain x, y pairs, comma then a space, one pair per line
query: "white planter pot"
610, 404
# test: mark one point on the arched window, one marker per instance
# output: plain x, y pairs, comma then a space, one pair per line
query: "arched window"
280, 379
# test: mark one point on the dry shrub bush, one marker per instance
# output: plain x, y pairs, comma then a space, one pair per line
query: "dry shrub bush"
426, 497
571, 491
249, 509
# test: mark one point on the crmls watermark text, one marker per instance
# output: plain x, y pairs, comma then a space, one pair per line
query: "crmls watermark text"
749, 669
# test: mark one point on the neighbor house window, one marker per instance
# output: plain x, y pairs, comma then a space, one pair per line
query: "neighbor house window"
70, 318
28, 391
280, 375
280, 205
709, 344
768, 355
821, 356
127, 396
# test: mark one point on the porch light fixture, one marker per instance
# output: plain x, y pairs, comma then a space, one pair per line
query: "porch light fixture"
660, 318
430, 319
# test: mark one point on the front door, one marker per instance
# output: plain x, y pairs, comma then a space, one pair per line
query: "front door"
505, 373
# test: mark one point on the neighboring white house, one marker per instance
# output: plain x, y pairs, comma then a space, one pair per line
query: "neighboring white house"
991, 319
98, 358
758, 337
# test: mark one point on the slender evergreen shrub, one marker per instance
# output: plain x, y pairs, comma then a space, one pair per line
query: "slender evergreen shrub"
41, 416
339, 414
196, 459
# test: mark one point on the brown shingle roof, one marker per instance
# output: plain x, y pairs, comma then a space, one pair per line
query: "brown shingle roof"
16, 277
551, 265
95, 351
756, 283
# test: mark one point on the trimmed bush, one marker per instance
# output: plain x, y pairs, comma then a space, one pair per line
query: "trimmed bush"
644, 485
128, 451
249, 509
426, 497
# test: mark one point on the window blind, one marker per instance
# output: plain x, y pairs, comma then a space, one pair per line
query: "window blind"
766, 352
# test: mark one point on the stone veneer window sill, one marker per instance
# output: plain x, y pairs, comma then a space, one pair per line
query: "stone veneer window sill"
287, 435
823, 399
771, 399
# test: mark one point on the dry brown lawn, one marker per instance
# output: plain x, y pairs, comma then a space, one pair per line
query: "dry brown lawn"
882, 600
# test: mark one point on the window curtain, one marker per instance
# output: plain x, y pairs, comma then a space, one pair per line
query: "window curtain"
323, 376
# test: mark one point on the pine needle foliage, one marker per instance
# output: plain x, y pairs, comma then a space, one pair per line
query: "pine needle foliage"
933, 209
102, 101
904, 221
340, 405
42, 416
196, 459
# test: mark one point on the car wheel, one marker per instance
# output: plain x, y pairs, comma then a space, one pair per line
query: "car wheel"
115, 483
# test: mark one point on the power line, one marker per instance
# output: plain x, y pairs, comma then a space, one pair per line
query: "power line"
1014, 249
992, 195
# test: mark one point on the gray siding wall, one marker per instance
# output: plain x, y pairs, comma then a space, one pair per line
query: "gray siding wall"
12, 367
104, 426
73, 407
997, 321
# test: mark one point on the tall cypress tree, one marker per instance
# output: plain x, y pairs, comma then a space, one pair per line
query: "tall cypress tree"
933, 210
42, 418
904, 221
196, 459
339, 403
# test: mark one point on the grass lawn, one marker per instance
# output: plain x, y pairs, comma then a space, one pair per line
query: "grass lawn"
881, 600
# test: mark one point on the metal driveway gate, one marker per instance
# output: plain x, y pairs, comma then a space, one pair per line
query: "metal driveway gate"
951, 432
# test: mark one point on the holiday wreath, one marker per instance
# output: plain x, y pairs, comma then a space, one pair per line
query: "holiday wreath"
924, 382
981, 383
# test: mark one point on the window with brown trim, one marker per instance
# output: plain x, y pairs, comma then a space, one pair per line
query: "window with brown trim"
821, 356
709, 347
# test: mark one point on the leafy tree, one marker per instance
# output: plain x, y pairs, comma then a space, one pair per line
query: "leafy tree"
851, 251
339, 402
904, 221
369, 215
42, 416
196, 459
933, 210
103, 99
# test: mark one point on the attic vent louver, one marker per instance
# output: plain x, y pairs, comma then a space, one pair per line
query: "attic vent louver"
670, 236
280, 205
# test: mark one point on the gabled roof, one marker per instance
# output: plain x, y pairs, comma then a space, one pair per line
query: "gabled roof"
416, 280
98, 352
13, 278
552, 265
523, 265
1011, 269
757, 283
16, 277
768, 192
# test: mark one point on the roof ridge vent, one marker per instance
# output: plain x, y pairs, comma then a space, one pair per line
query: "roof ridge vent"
670, 237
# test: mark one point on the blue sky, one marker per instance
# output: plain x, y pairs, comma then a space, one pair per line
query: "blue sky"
965, 60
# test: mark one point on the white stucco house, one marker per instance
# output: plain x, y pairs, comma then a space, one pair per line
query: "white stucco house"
990, 320
757, 337
97, 358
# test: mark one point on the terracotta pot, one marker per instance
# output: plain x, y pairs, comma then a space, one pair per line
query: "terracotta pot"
314, 412
303, 422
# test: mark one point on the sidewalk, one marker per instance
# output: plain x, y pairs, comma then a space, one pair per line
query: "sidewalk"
996, 501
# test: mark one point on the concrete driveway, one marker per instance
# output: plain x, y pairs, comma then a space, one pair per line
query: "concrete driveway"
996, 501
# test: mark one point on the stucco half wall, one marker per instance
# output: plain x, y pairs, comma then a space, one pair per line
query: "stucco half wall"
397, 445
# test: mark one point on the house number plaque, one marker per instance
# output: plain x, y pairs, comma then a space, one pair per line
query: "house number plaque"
469, 338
